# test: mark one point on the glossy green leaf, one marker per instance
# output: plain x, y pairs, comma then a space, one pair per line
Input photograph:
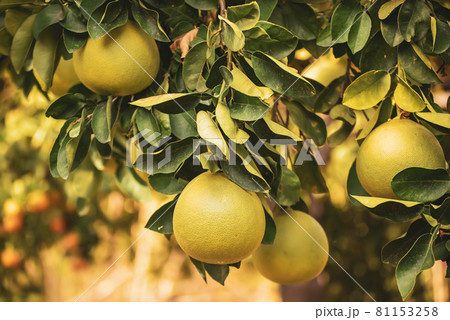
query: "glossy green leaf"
266, 7
329, 96
299, 18
218, 272
203, 4
165, 183
66, 106
311, 177
193, 65
412, 13
310, 124
441, 38
171, 102
408, 99
228, 125
397, 249
342, 19
378, 55
184, 125
441, 212
149, 21
161, 220
419, 258
359, 32
388, 7
439, 120
270, 231
247, 108
280, 78
367, 90
106, 18
21, 43
382, 115
288, 191
390, 31
51, 14
44, 56
271, 39
242, 177
200, 266
208, 130
242, 83
245, 16
73, 19
232, 36
411, 60
14, 17
74, 41
420, 184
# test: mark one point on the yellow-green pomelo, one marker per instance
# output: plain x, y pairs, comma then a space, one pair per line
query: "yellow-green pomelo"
122, 63
391, 148
299, 252
326, 69
64, 77
216, 221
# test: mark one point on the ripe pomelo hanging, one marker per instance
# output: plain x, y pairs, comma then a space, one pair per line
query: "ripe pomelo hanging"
299, 252
216, 221
122, 63
391, 148
64, 78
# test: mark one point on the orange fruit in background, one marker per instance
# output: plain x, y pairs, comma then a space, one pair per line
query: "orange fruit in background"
58, 225
216, 221
12, 207
38, 202
71, 241
79, 263
13, 224
393, 147
299, 252
11, 258
120, 67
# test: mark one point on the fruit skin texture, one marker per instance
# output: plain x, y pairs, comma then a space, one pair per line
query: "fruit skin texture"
216, 221
105, 67
391, 148
64, 78
11, 259
294, 257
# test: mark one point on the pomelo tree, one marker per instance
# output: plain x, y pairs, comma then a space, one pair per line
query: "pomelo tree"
227, 96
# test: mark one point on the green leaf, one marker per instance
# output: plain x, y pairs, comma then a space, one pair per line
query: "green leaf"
246, 108
299, 18
341, 112
203, 4
74, 41
342, 19
215, 77
411, 60
147, 122
149, 21
242, 83
270, 38
340, 135
184, 125
390, 31
288, 191
73, 19
270, 231
165, 183
420, 184
441, 39
395, 210
51, 14
232, 36
103, 119
377, 55
439, 120
367, 90
228, 125
354, 187
388, 7
441, 212
208, 130
245, 16
5, 42
397, 249
279, 77
21, 43
382, 115
106, 18
53, 160
329, 96
66, 106
14, 18
412, 13
408, 99
169, 159
161, 220
172, 103
200, 266
242, 177
218, 272
266, 7
268, 129
44, 56
309, 123
310, 176
193, 65
419, 258
359, 33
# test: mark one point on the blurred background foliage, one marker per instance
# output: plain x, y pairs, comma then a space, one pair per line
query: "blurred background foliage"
55, 247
